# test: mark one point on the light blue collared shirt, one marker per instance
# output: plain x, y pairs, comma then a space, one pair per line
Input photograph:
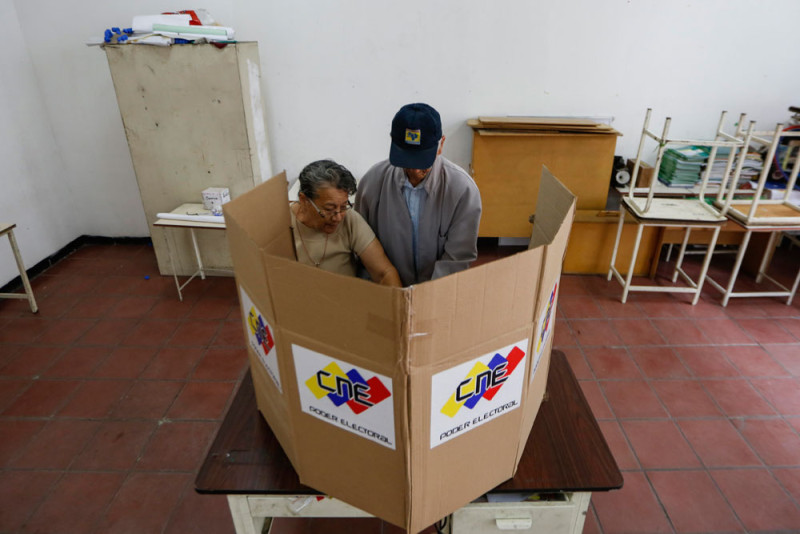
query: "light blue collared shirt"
415, 200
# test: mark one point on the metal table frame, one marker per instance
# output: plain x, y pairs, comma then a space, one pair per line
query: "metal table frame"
783, 291
184, 209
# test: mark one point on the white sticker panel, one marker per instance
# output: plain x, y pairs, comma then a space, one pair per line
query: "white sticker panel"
473, 393
346, 396
260, 337
544, 329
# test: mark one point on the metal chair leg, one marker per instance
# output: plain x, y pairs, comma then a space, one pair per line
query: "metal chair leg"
616, 243
681, 254
706, 262
631, 267
737, 265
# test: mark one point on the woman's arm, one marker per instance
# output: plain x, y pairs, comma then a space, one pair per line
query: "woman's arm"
378, 266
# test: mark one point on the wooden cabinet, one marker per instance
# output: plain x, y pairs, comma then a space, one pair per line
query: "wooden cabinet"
194, 118
507, 159
591, 242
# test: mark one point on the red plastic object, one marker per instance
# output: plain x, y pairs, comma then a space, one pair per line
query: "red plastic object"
195, 21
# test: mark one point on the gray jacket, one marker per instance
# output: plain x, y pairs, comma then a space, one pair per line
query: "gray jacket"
448, 225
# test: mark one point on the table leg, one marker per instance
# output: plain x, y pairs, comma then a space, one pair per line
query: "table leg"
629, 276
794, 289
654, 261
582, 498
706, 262
243, 521
681, 254
736, 266
616, 243
22, 273
172, 266
766, 259
197, 255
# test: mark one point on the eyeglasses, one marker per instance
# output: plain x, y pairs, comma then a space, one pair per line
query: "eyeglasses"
328, 212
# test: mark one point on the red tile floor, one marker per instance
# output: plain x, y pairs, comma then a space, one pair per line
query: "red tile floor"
112, 393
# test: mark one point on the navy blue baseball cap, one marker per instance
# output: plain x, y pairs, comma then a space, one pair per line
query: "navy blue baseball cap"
416, 131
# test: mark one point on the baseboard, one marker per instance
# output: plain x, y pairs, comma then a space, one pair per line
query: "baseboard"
16, 283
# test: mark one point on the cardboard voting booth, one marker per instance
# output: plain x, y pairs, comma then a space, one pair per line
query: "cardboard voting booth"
406, 403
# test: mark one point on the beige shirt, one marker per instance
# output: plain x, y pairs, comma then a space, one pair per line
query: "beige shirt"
350, 239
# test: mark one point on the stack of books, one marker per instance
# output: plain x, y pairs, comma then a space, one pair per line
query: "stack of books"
751, 168
681, 167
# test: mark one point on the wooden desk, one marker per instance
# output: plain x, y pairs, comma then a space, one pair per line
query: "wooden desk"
565, 456
191, 225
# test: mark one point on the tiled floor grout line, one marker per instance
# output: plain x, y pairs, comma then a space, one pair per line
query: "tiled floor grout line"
659, 501
189, 486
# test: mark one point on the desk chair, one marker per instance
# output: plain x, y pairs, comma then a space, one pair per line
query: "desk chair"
675, 212
8, 229
761, 215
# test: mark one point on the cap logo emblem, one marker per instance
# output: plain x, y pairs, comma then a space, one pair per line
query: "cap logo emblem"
412, 137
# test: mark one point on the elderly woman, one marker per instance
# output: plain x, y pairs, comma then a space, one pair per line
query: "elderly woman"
327, 233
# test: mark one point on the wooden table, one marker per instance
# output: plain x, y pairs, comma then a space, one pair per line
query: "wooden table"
566, 458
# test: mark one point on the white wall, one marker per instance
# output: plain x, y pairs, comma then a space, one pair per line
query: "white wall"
34, 183
334, 73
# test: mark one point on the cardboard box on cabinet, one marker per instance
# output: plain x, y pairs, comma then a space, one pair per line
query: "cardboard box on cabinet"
406, 403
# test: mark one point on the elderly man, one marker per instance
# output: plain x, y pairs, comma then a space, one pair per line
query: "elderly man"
424, 209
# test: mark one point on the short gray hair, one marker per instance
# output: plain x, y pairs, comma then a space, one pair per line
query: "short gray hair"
325, 173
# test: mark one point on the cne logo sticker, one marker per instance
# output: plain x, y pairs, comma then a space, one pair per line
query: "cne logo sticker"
347, 388
347, 396
473, 393
259, 337
260, 330
544, 329
483, 382
413, 137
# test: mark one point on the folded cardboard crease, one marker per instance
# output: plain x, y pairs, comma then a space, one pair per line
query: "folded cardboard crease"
407, 403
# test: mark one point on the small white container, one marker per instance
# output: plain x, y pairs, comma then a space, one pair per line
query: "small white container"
214, 198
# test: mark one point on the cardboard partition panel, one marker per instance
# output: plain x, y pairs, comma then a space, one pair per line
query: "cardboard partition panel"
405, 402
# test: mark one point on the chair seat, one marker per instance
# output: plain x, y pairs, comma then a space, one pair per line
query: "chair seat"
5, 227
767, 213
686, 211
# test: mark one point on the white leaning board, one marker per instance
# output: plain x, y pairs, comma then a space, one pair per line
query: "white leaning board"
193, 119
